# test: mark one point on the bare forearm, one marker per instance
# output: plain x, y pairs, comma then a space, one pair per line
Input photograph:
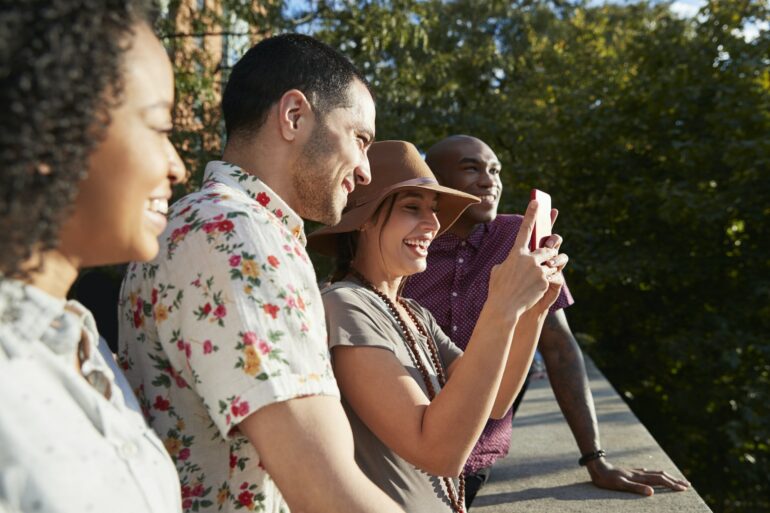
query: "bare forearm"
454, 420
567, 374
519, 360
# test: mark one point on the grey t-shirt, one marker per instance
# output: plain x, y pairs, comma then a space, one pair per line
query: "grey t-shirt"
356, 316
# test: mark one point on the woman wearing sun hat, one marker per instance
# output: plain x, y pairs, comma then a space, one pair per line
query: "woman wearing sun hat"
416, 402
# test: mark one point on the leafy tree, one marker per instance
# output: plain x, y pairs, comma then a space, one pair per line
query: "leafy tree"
651, 132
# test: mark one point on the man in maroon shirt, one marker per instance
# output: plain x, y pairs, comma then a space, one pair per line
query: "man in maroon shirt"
454, 288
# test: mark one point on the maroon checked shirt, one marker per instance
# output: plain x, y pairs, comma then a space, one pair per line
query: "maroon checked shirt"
454, 288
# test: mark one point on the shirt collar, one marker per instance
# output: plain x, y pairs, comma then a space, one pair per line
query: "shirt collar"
219, 171
35, 315
450, 241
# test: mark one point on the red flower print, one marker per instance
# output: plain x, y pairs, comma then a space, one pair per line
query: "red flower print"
187, 504
184, 210
198, 490
249, 338
225, 226
244, 485
207, 347
245, 498
219, 217
272, 260
235, 261
263, 199
233, 460
186, 491
180, 344
161, 404
239, 408
210, 227
220, 312
180, 382
183, 455
271, 310
137, 318
207, 308
264, 347
154, 296
279, 213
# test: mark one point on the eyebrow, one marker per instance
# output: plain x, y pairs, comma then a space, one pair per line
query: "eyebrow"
367, 132
161, 104
473, 160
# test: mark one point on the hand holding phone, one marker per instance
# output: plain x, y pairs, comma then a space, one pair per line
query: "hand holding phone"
542, 228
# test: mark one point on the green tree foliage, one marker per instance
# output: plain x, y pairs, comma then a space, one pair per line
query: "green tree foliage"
652, 133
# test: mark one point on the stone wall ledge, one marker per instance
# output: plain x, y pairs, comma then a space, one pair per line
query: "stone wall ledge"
541, 474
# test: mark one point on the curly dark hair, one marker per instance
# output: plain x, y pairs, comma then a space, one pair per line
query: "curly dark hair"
60, 74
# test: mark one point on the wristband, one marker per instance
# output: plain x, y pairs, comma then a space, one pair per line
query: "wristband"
591, 456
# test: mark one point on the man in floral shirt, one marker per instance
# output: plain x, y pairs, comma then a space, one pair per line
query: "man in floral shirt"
223, 335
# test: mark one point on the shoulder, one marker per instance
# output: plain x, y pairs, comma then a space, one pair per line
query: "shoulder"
344, 293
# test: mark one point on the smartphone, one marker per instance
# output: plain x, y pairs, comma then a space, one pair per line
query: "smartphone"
542, 228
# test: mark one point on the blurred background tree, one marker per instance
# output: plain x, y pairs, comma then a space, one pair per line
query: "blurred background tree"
650, 130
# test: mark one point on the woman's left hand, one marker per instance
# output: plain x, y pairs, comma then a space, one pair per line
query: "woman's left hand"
555, 277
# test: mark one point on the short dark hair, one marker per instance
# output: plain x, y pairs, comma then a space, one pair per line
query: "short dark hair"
279, 64
61, 71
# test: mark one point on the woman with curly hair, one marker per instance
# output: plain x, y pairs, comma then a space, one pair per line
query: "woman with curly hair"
86, 170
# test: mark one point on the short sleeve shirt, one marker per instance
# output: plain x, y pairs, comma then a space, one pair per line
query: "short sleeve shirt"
454, 287
357, 317
227, 319
68, 442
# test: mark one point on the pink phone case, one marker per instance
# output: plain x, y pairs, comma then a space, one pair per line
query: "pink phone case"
542, 227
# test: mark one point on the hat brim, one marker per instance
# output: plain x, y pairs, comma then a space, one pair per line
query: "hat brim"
451, 203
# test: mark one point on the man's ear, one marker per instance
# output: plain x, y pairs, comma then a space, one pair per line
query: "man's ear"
294, 114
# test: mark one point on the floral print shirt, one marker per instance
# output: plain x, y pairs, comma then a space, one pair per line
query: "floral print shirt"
227, 319
68, 440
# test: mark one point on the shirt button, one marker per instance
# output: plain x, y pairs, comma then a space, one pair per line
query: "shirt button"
128, 450
454, 328
454, 294
460, 260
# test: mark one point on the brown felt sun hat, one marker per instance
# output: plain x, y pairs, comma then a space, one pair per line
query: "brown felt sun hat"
396, 166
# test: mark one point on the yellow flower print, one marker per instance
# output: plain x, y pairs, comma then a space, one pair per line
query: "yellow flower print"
222, 495
161, 313
252, 364
173, 445
250, 269
180, 425
248, 289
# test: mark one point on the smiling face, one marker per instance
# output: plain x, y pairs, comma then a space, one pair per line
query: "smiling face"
334, 158
121, 206
395, 243
469, 165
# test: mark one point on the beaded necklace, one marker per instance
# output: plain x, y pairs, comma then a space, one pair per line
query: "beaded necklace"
456, 499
